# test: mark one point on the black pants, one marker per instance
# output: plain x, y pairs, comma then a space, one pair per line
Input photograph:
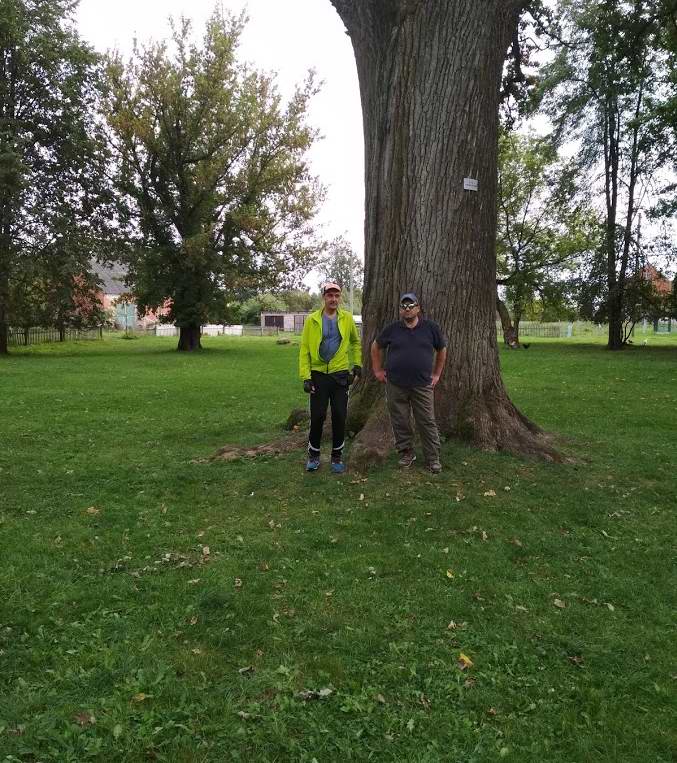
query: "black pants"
329, 388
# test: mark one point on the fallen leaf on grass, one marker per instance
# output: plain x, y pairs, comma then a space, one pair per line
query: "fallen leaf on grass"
246, 669
491, 711
610, 606
464, 662
141, 697
576, 659
559, 603
490, 493
238, 583
520, 608
92, 511
380, 698
85, 719
244, 716
205, 550
311, 694
196, 651
194, 582
450, 574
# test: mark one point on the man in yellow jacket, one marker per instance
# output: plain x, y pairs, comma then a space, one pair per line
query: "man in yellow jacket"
330, 348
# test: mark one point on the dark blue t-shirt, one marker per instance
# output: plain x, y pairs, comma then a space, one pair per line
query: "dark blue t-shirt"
409, 361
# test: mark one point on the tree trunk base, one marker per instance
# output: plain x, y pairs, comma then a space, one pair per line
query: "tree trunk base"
375, 440
494, 424
491, 424
189, 339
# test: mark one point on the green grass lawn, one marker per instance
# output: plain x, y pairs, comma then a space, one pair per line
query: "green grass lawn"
157, 607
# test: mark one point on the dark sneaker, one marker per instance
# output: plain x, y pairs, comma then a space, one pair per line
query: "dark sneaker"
337, 465
407, 458
435, 467
313, 463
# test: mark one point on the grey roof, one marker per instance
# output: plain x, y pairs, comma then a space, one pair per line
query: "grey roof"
112, 278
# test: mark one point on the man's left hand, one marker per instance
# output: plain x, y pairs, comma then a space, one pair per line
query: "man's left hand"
356, 373
436, 378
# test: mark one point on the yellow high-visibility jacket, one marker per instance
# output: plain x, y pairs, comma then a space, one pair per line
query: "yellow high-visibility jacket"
349, 353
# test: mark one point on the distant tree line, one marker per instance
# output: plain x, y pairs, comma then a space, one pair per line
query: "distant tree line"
187, 167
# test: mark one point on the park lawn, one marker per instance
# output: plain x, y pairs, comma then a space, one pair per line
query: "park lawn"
156, 606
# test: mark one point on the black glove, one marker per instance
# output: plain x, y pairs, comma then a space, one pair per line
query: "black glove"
354, 374
308, 386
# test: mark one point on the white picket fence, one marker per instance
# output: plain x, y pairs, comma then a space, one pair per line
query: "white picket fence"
164, 329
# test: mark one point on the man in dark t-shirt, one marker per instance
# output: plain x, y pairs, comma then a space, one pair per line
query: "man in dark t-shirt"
416, 351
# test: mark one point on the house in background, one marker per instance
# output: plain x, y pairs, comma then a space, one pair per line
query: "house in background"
284, 321
292, 321
662, 287
113, 296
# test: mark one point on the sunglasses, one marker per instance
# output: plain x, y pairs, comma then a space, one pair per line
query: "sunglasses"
409, 306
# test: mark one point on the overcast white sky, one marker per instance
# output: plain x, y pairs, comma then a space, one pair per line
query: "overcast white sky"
286, 36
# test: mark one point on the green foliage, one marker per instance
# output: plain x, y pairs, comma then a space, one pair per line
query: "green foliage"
54, 201
213, 171
300, 301
250, 311
158, 606
607, 88
544, 227
340, 263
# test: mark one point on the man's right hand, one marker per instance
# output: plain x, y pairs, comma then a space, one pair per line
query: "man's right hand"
381, 376
308, 386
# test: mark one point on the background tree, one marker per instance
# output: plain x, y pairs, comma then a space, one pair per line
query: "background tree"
251, 309
605, 89
435, 65
53, 198
339, 263
544, 225
214, 171
300, 300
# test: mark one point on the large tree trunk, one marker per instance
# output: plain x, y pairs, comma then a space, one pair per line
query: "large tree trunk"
4, 326
189, 339
430, 74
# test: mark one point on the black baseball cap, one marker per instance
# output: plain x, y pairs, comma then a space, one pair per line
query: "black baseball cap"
409, 296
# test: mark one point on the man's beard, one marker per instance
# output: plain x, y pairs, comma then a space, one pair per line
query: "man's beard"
409, 318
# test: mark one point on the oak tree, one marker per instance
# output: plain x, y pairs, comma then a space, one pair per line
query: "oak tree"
213, 168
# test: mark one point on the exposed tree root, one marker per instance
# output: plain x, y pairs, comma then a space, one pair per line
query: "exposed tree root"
491, 423
285, 444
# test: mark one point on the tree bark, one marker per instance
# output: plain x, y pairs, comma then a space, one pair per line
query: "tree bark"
430, 75
4, 326
189, 339
509, 331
